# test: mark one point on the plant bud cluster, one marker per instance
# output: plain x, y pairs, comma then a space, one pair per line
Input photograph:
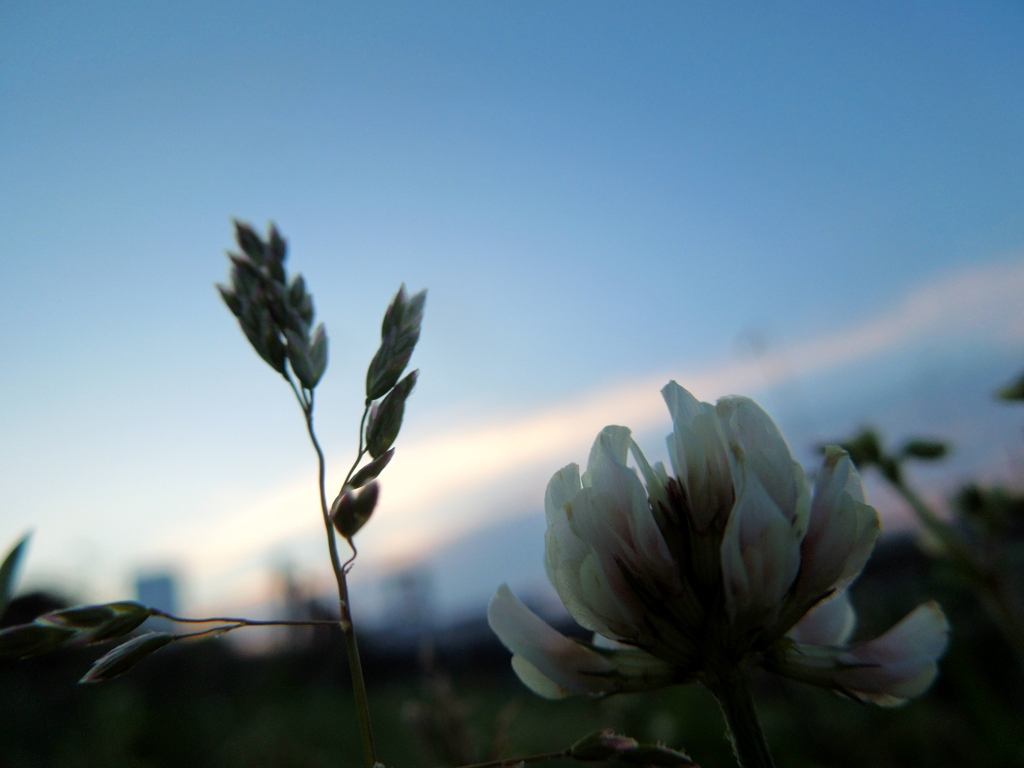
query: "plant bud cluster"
275, 314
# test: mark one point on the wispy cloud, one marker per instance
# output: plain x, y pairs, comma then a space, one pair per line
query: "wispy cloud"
443, 485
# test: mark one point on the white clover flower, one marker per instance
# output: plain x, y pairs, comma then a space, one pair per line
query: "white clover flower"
729, 562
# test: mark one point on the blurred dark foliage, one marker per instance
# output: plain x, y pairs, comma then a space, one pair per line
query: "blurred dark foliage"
205, 705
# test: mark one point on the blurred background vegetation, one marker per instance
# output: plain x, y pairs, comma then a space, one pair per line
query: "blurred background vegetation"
451, 698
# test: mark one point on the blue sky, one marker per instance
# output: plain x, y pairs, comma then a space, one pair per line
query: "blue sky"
596, 194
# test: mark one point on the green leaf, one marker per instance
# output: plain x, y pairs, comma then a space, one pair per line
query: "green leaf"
393, 314
298, 356
865, 448
891, 469
126, 656
299, 300
24, 640
318, 353
255, 336
244, 275
404, 314
100, 623
352, 509
371, 470
400, 331
928, 450
386, 420
250, 243
284, 315
277, 252
414, 311
9, 572
389, 363
276, 350
231, 298
258, 325
1014, 391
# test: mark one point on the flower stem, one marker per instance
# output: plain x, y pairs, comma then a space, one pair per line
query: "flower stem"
731, 686
347, 627
244, 622
942, 530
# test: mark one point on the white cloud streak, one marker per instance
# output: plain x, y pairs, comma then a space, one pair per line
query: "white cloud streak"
443, 485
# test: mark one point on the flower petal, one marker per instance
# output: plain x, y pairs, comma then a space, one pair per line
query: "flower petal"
598, 525
902, 663
535, 680
840, 536
830, 622
608, 644
887, 671
554, 655
842, 529
604, 589
607, 473
698, 451
765, 455
655, 478
561, 545
565, 552
760, 556
590, 601
554, 666
561, 488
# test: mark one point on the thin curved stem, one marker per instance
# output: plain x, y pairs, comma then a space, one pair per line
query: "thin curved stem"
245, 622
347, 565
304, 404
362, 450
347, 627
211, 631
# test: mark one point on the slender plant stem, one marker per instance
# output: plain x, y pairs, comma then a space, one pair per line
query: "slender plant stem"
244, 622
940, 528
347, 627
347, 565
517, 760
361, 451
731, 686
234, 624
211, 631
304, 404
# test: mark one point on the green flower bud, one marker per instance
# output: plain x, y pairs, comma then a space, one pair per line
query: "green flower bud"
352, 509
126, 656
371, 470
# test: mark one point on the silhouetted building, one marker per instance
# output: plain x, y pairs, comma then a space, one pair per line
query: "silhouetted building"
160, 591
409, 602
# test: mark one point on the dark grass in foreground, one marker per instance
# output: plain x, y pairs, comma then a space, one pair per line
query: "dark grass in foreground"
201, 705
